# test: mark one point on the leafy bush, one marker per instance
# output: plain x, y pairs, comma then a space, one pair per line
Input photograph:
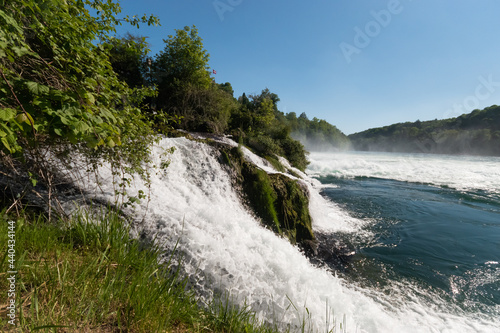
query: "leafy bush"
295, 153
264, 145
58, 88
58, 84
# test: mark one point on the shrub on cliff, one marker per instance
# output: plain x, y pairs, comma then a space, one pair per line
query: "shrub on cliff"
260, 125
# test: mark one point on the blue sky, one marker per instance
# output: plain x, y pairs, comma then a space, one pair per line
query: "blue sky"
356, 64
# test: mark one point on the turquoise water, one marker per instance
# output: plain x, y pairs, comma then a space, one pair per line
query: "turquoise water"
432, 232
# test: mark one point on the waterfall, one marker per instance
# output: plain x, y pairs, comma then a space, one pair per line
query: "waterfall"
194, 207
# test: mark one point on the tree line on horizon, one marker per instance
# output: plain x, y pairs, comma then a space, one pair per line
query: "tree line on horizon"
475, 133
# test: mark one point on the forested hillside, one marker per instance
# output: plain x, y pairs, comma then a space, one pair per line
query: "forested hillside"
476, 133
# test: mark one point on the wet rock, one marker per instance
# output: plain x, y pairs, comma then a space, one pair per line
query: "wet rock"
331, 252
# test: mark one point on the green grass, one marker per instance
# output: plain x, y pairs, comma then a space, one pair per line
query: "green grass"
75, 276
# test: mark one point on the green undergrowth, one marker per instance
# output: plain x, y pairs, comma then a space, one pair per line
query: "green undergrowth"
280, 202
76, 276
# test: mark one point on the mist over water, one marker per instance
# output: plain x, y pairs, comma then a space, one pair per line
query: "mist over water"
194, 208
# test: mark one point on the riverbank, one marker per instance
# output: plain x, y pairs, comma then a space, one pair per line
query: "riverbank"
80, 276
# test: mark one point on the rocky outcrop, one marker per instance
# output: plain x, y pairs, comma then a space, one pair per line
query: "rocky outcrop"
280, 201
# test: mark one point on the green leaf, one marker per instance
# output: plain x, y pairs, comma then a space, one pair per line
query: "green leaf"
4, 131
24, 118
110, 143
65, 120
6, 144
56, 95
36, 88
7, 114
90, 98
33, 180
20, 51
82, 127
10, 21
10, 142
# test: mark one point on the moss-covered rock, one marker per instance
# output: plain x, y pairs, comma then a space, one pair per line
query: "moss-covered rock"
292, 206
280, 201
262, 197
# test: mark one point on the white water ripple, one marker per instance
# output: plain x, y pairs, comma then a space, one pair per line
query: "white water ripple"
458, 172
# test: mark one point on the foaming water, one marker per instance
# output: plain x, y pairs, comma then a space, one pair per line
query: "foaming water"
194, 208
459, 172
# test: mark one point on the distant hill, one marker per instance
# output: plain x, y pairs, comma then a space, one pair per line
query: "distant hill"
476, 133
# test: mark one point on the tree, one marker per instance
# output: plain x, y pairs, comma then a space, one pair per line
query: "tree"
58, 78
467, 134
303, 116
244, 100
181, 66
263, 111
208, 110
227, 87
185, 87
263, 108
266, 94
128, 57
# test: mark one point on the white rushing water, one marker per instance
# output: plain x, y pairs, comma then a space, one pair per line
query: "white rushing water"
226, 248
458, 172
